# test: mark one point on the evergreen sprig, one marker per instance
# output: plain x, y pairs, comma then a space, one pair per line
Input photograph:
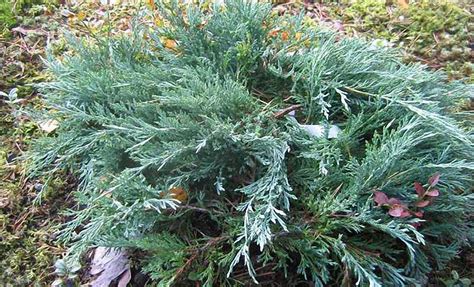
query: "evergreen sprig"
190, 106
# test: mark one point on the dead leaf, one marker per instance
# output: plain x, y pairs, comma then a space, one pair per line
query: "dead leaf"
433, 193
49, 125
151, 3
380, 198
159, 21
67, 13
433, 180
422, 203
419, 214
170, 44
26, 31
179, 193
274, 33
403, 3
338, 26
298, 36
398, 210
81, 16
4, 198
110, 264
420, 190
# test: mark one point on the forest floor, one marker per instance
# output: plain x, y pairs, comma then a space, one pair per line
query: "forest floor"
439, 35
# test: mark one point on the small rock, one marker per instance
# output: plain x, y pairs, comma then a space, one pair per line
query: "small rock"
38, 187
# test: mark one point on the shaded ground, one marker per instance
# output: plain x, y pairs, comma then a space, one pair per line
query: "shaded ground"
27, 233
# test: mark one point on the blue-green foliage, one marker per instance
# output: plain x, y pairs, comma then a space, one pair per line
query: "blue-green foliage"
265, 198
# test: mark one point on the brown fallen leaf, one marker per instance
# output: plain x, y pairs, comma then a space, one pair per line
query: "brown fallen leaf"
403, 3
151, 3
298, 36
81, 16
4, 198
170, 44
179, 193
273, 33
49, 125
108, 265
26, 31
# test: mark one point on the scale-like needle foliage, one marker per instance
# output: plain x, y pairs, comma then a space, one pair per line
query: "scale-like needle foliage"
196, 106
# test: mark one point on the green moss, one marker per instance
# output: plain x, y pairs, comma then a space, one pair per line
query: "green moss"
26, 230
433, 32
27, 240
7, 18
9, 10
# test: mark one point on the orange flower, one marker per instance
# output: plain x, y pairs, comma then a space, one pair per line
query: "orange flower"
284, 36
